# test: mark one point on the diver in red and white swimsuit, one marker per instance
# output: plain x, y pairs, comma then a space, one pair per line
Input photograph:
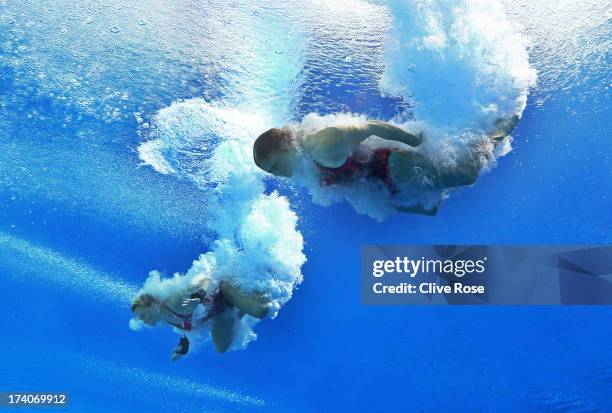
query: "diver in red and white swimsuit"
338, 152
222, 307
398, 160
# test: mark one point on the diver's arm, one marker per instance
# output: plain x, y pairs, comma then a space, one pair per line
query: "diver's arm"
329, 147
384, 130
332, 146
178, 307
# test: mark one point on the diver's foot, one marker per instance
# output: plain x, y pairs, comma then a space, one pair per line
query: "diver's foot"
503, 128
181, 349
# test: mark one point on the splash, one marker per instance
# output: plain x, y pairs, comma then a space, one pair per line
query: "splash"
371, 197
257, 246
462, 63
463, 66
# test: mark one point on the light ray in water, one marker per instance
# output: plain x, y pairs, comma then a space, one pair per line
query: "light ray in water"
58, 270
167, 382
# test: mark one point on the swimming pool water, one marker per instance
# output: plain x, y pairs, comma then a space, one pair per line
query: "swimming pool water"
83, 219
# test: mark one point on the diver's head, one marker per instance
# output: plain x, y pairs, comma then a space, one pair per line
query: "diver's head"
146, 307
275, 152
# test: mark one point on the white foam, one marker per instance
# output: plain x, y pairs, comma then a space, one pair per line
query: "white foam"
151, 154
371, 197
464, 66
265, 254
462, 63
186, 141
257, 246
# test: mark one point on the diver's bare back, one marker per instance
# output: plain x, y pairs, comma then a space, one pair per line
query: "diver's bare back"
332, 146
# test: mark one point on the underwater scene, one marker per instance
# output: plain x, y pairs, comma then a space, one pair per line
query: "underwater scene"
185, 188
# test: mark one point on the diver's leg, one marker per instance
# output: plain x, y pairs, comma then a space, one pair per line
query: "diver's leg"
254, 304
415, 168
503, 128
223, 330
460, 175
412, 167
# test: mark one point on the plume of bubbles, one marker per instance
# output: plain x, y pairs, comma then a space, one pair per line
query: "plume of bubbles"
462, 63
257, 246
463, 67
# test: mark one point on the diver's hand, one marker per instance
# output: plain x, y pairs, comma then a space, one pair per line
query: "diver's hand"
189, 304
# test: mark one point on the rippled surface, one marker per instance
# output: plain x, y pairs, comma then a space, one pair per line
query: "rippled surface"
82, 220
571, 49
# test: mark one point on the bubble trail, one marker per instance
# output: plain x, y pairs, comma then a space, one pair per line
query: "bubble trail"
167, 382
57, 270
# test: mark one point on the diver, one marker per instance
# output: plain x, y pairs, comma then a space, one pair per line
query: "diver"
342, 158
189, 310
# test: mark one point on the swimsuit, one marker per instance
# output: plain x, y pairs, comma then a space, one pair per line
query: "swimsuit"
377, 167
186, 319
217, 307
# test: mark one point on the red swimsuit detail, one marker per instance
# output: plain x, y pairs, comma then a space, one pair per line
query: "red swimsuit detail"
186, 325
217, 307
377, 167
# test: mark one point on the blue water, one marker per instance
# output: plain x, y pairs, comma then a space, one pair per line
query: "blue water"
82, 222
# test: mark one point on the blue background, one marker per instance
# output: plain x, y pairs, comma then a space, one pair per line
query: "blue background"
325, 352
